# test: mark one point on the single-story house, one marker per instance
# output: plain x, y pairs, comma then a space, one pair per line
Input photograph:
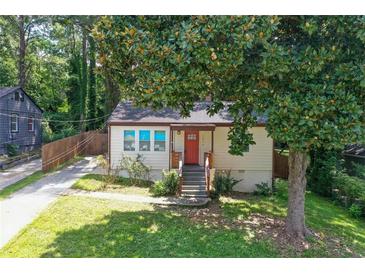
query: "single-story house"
165, 139
20, 120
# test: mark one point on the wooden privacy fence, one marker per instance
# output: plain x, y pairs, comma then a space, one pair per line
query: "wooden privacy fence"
85, 143
281, 165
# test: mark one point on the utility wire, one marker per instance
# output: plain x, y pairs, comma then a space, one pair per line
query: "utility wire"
69, 150
83, 142
51, 120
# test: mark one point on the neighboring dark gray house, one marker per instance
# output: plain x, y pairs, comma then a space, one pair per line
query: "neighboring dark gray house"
20, 120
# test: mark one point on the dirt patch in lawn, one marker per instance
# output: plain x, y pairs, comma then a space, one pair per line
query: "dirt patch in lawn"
264, 227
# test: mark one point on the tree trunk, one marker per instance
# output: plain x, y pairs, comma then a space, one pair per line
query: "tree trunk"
22, 51
112, 92
295, 222
83, 96
92, 85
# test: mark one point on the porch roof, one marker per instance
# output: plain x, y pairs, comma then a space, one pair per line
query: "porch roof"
207, 127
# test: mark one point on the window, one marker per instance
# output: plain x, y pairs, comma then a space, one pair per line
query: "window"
14, 122
129, 140
16, 96
30, 123
160, 140
144, 140
191, 136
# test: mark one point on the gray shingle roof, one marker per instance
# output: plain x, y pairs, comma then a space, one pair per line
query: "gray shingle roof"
126, 112
6, 90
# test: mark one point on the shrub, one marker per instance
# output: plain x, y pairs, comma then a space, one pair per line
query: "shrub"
263, 189
50, 136
323, 167
223, 183
281, 188
12, 150
111, 175
349, 190
356, 210
168, 185
359, 170
135, 168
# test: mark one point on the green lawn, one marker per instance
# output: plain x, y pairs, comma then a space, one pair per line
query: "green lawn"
7, 191
88, 227
329, 220
34, 177
96, 182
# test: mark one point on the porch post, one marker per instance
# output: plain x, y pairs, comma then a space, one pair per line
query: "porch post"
170, 146
212, 141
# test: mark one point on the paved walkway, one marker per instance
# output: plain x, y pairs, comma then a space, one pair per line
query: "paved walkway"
14, 174
140, 198
24, 205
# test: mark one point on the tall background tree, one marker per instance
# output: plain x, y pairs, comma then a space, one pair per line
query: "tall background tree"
306, 74
54, 59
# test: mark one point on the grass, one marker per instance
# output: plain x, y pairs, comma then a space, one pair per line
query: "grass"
87, 227
96, 182
322, 215
34, 177
7, 191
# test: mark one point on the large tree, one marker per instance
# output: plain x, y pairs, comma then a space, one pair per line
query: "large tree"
306, 74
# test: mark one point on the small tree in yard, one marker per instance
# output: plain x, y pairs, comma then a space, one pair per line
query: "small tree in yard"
305, 74
111, 175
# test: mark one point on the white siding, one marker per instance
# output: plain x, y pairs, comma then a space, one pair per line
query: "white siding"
157, 160
205, 145
259, 156
254, 167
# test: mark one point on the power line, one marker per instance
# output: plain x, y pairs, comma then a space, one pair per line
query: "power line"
51, 120
83, 142
70, 150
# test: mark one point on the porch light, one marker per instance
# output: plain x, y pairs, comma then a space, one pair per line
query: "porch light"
179, 132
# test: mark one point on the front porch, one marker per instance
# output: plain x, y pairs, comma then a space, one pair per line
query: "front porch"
191, 148
192, 144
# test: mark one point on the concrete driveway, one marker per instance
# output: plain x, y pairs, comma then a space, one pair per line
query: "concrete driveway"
24, 205
14, 174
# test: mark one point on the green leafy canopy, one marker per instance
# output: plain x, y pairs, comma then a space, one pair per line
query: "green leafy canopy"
306, 74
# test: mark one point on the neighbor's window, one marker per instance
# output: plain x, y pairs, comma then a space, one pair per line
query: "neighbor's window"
144, 140
160, 140
16, 96
129, 140
14, 122
30, 123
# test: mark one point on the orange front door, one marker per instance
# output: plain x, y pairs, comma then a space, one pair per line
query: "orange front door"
191, 147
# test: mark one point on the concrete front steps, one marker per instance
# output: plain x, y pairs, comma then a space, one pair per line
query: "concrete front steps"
193, 182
